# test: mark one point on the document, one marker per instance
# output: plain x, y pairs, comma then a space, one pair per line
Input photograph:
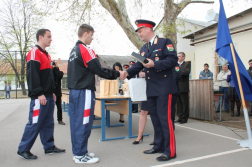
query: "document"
139, 58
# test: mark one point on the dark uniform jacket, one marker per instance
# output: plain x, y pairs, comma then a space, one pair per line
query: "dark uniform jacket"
58, 75
177, 75
82, 67
39, 73
185, 69
160, 79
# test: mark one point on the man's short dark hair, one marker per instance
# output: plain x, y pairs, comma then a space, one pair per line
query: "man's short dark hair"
206, 65
183, 54
84, 28
41, 32
250, 60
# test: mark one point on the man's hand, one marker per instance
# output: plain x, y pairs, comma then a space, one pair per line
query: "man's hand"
42, 100
54, 97
201, 75
141, 74
123, 75
149, 64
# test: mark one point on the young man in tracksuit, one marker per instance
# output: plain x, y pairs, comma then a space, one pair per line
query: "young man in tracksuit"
82, 67
40, 90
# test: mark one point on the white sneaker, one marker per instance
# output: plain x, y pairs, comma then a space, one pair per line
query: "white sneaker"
89, 154
86, 159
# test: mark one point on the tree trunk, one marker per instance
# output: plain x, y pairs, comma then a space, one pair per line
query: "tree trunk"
119, 12
23, 67
169, 24
22, 83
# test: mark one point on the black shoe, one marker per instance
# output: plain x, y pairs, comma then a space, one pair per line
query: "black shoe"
121, 121
179, 120
226, 111
137, 142
165, 157
217, 111
250, 114
134, 111
27, 155
237, 114
53, 150
232, 114
183, 122
152, 143
151, 151
61, 123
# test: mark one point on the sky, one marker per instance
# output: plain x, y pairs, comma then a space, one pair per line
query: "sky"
110, 39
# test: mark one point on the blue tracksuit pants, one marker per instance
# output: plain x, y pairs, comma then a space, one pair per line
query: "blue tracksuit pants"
41, 122
81, 112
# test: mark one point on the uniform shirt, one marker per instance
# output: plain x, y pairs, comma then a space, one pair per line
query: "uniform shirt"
39, 73
180, 63
82, 67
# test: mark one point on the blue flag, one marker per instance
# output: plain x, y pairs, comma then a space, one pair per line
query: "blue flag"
223, 48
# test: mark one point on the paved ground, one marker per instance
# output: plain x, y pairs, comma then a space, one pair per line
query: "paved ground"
198, 143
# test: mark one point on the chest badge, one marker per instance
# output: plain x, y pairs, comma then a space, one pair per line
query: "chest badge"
177, 69
143, 53
170, 47
156, 58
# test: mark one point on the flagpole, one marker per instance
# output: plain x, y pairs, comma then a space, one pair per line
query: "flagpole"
243, 143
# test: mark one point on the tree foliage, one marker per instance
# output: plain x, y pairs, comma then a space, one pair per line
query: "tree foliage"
19, 21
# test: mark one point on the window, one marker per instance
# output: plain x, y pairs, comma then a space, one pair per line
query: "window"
64, 83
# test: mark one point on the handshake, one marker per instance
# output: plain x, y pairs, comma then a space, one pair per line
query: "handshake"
123, 75
150, 64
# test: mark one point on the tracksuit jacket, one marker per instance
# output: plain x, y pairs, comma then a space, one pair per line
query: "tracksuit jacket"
39, 73
82, 67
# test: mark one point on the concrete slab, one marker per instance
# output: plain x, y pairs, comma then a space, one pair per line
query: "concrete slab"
198, 143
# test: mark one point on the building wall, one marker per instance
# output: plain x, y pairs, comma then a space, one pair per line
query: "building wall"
183, 45
205, 51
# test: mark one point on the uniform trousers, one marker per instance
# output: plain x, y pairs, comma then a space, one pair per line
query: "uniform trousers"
174, 102
59, 108
161, 117
183, 106
81, 112
40, 121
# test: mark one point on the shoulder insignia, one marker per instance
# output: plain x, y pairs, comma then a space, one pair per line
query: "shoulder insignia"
177, 68
170, 47
155, 40
142, 54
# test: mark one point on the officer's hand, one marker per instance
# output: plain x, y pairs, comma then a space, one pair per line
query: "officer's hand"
123, 75
149, 64
42, 100
201, 75
54, 97
142, 74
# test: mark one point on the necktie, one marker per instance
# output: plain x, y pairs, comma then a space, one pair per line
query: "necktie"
149, 46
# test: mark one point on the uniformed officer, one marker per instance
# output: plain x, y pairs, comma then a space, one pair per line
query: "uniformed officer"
161, 86
125, 66
177, 75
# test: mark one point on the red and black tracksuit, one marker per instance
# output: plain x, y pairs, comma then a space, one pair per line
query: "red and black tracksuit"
82, 67
40, 82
